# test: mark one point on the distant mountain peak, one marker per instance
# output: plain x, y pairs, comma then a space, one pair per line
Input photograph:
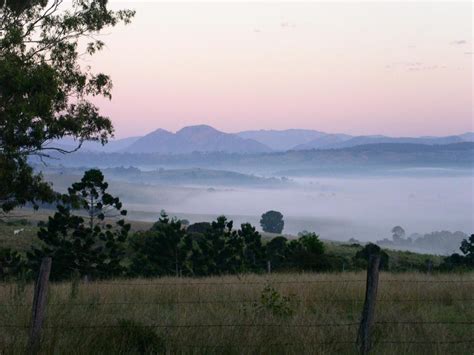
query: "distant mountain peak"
159, 131
198, 138
198, 129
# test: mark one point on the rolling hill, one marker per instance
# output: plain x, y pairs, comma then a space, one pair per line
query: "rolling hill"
282, 140
347, 142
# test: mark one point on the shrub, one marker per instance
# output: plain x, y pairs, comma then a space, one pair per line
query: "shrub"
271, 300
12, 265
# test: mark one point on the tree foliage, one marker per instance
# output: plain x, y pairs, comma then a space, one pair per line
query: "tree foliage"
91, 246
272, 222
19, 185
11, 264
159, 251
467, 248
465, 261
44, 90
362, 257
398, 233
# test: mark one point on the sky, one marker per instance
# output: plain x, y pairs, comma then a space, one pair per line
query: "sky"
393, 68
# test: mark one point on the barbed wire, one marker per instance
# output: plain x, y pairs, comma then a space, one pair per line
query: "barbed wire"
248, 283
198, 302
226, 283
245, 325
224, 325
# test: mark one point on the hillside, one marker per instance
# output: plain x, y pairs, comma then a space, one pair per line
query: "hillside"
347, 142
189, 176
282, 140
364, 158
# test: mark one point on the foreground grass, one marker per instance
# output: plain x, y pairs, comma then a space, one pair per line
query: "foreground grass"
251, 314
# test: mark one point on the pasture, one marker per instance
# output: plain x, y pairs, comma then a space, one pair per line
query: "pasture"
248, 314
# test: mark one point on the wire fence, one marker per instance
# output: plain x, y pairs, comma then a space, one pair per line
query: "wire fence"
467, 325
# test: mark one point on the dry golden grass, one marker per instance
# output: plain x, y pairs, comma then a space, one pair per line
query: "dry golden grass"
225, 315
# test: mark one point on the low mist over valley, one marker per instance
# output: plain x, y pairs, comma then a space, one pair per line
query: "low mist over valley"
339, 186
236, 177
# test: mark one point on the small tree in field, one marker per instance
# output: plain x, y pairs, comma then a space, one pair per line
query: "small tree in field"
398, 233
272, 222
86, 243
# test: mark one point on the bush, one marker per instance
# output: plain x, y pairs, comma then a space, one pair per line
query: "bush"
12, 265
272, 301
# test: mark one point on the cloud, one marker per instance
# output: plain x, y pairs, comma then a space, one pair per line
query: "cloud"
458, 42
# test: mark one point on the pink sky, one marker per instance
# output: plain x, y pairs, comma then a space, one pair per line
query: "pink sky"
391, 68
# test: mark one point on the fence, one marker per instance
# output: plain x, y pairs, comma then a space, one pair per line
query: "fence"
365, 325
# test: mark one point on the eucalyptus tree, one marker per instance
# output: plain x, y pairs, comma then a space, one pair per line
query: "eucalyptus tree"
45, 91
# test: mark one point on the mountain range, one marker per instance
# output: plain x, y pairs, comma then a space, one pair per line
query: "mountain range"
203, 138
200, 138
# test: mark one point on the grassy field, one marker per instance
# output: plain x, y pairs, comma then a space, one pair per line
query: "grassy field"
251, 314
27, 225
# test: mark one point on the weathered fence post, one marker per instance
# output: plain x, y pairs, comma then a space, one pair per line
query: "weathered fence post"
269, 266
39, 305
429, 266
368, 312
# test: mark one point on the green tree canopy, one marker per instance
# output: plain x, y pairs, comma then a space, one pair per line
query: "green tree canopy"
92, 245
44, 90
467, 248
161, 250
372, 249
272, 222
462, 261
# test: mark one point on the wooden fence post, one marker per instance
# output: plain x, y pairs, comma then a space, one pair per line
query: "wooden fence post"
368, 312
429, 266
269, 267
39, 305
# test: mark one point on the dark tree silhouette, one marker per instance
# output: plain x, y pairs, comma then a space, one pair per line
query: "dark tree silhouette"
467, 248
92, 246
44, 91
398, 233
161, 250
371, 249
272, 222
